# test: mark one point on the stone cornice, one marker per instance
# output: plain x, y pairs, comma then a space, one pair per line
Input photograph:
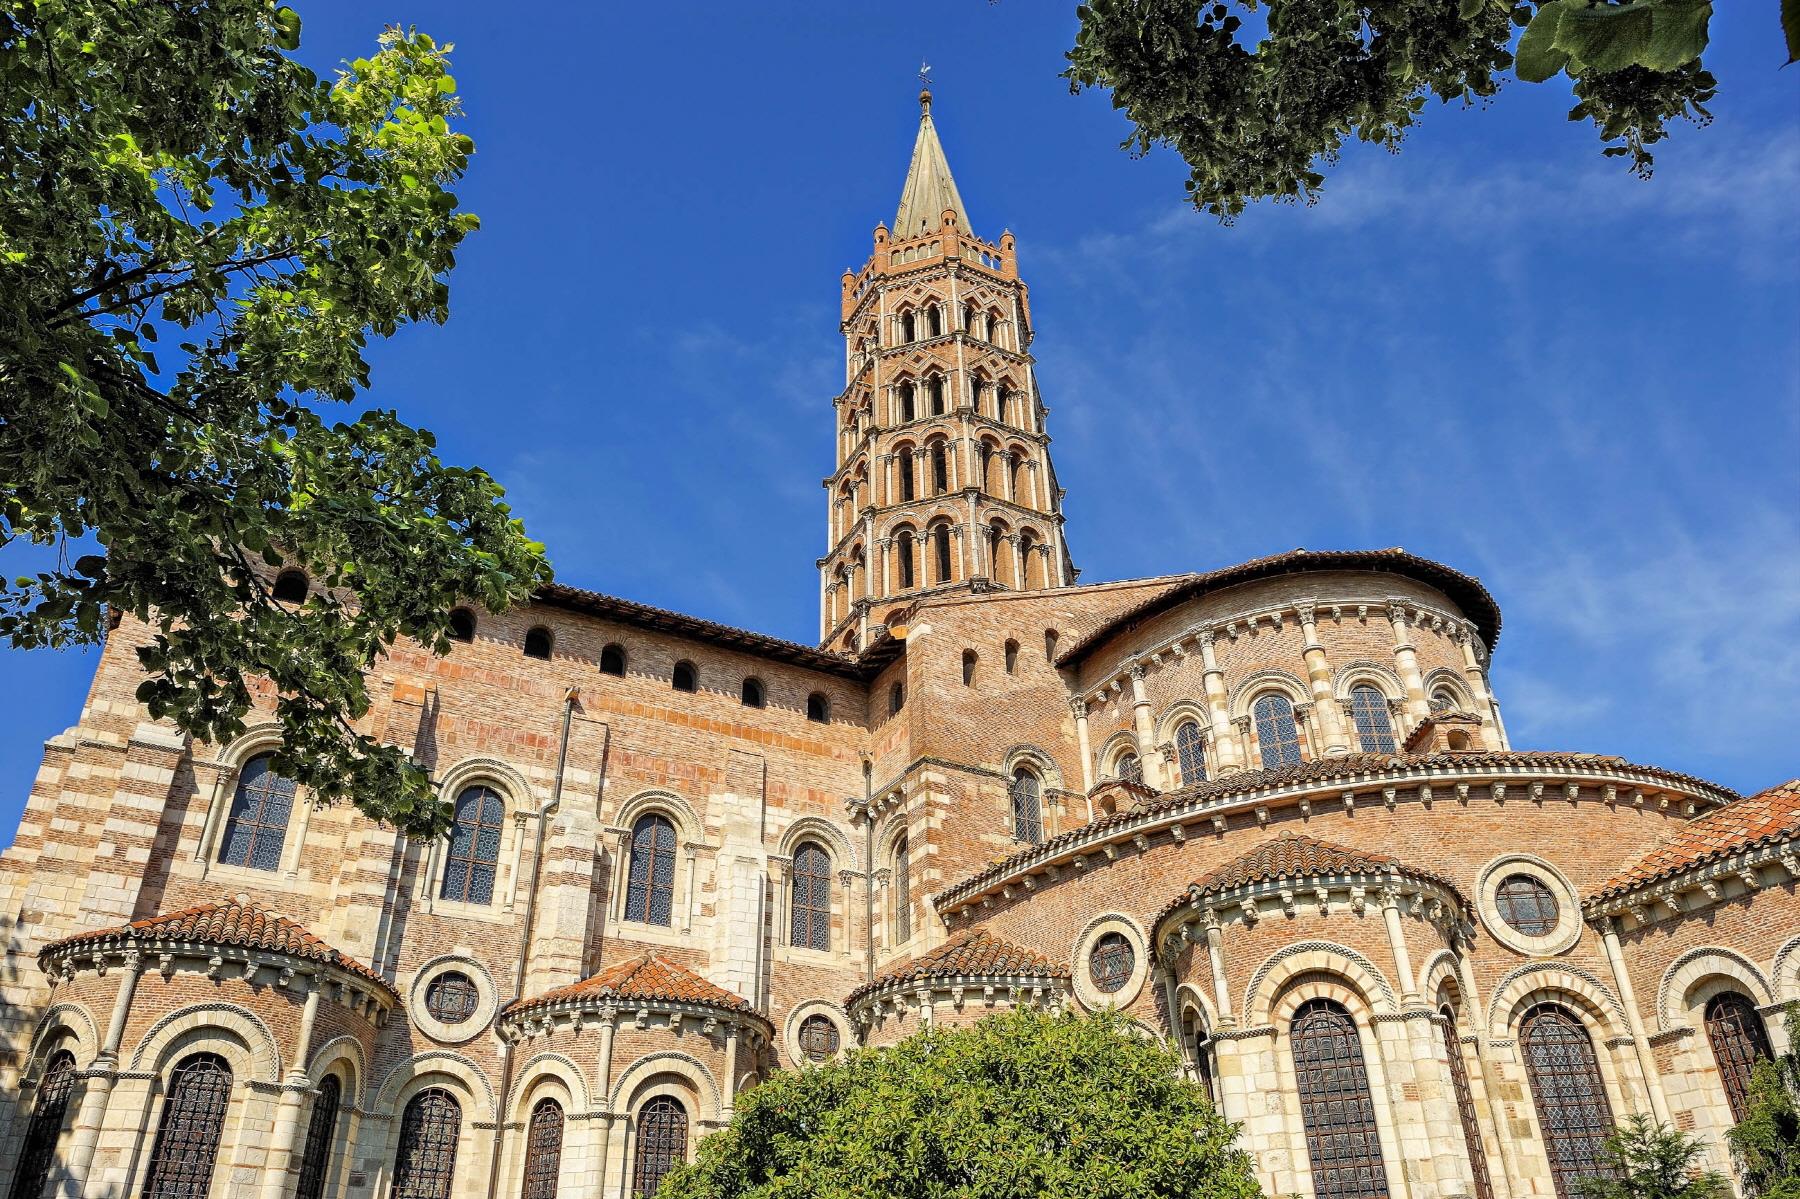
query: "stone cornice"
988, 989
541, 1017
1701, 886
367, 997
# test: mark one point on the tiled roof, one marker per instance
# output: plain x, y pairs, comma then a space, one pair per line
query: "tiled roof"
235, 924
1467, 592
647, 978
971, 953
1322, 770
1750, 823
1296, 856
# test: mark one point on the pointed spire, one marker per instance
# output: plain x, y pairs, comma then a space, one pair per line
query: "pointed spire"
929, 188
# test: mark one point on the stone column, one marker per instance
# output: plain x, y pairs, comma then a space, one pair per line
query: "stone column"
1476, 674
1146, 732
1406, 663
1640, 1040
1078, 707
1390, 912
731, 1071
90, 1118
977, 543
1318, 677
1228, 756
280, 1166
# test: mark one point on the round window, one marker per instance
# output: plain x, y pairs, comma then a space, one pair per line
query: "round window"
818, 1038
1111, 963
1527, 905
451, 997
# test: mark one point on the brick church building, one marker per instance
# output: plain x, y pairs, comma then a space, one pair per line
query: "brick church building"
1269, 811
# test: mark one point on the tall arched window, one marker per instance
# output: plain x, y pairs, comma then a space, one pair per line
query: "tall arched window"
1374, 729
902, 893
1465, 1105
1002, 394
1012, 656
1129, 767
543, 1150
940, 469
612, 660
940, 544
908, 488
425, 1164
650, 893
1739, 1041
257, 823
1190, 752
474, 847
321, 1130
909, 327
1276, 735
934, 320
193, 1120
969, 660
1335, 1105
1572, 1110
903, 550
896, 698
993, 325
47, 1113
1027, 814
935, 385
810, 923
662, 1136
909, 408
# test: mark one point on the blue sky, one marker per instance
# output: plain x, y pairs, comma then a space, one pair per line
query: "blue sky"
1496, 349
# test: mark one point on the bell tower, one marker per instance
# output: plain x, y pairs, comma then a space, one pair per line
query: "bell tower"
943, 479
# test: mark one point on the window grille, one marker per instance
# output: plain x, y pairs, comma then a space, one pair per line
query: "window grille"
452, 997
193, 1120
1739, 1041
321, 1129
1028, 820
811, 900
1335, 1105
1276, 735
661, 1143
1526, 905
818, 1038
650, 895
1465, 1107
1130, 768
1111, 963
1374, 727
1190, 750
902, 894
257, 824
425, 1165
543, 1150
1572, 1109
474, 847
47, 1114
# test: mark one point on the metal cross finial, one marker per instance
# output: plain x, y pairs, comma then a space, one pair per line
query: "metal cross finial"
924, 73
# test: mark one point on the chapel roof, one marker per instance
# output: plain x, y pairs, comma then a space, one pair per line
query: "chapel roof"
929, 187
645, 978
971, 953
1765, 818
234, 924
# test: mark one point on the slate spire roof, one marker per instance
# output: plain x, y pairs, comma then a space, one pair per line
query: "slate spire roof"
929, 188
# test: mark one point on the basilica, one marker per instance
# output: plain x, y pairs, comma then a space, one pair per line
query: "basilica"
1269, 811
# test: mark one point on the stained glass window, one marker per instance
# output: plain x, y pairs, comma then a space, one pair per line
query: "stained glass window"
1739, 1041
662, 1133
257, 823
811, 917
193, 1120
1527, 905
1570, 1098
1276, 735
1190, 751
425, 1165
451, 997
1465, 1107
1130, 768
321, 1129
1335, 1105
474, 847
650, 893
1028, 820
1111, 963
543, 1150
47, 1113
1374, 727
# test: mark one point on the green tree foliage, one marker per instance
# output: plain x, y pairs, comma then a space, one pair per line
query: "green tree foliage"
1766, 1142
1019, 1104
1258, 96
1647, 1160
197, 237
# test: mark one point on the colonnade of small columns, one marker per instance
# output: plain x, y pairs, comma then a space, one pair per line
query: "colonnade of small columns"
1015, 558
967, 464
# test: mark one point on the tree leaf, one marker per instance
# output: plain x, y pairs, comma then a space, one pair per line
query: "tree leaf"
1538, 58
1603, 38
1678, 33
1790, 26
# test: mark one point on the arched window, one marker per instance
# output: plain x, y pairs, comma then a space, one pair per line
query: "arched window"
969, 660
650, 893
1001, 396
1739, 1041
1050, 639
818, 708
1335, 1105
1029, 575
908, 406
474, 847
977, 385
896, 698
903, 550
1012, 656
1443, 700
662, 1136
462, 625
193, 1120
940, 469
1276, 735
1129, 767
908, 486
993, 325
1572, 1110
1465, 1105
902, 893
1190, 752
257, 823
1027, 814
425, 1164
321, 1130
291, 587
909, 327
38, 1152
940, 543
934, 320
752, 695
538, 642
543, 1150
937, 395
612, 660
684, 677
811, 900
1369, 710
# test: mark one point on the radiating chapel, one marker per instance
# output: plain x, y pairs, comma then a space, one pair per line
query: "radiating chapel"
1269, 811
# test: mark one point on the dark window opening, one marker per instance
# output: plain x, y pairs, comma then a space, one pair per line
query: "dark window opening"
543, 1150
1190, 752
810, 926
1335, 1105
1738, 1041
1465, 1106
1573, 1113
425, 1163
291, 587
902, 893
896, 698
752, 695
462, 625
662, 1136
538, 642
818, 1038
968, 667
685, 677
321, 1130
612, 660
48, 1111
193, 1120
818, 708
940, 541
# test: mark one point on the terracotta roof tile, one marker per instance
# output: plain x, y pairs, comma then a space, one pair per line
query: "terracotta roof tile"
1296, 856
971, 953
645, 978
235, 924
1761, 819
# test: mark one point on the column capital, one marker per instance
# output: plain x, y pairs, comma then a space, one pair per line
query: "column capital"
1136, 672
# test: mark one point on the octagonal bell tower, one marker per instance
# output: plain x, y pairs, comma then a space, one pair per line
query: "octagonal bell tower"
943, 478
